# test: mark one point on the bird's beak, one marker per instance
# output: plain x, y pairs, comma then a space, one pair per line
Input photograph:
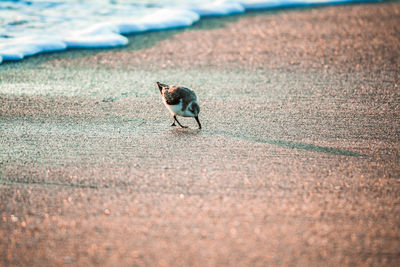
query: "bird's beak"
159, 85
198, 122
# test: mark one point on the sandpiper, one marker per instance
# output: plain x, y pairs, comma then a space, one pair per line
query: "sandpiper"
180, 101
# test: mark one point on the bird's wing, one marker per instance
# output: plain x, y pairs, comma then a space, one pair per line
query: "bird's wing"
176, 93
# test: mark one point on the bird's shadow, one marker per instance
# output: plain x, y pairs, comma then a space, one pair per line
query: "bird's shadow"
178, 131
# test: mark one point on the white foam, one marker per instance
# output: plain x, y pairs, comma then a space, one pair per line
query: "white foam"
18, 48
219, 8
96, 41
96, 36
129, 26
87, 25
256, 4
169, 18
109, 34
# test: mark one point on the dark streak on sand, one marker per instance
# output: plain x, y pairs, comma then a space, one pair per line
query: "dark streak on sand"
297, 145
44, 183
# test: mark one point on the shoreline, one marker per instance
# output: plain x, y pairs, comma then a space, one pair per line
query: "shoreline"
149, 41
115, 34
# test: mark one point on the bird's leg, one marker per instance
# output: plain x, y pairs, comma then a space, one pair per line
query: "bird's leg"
179, 122
173, 123
198, 122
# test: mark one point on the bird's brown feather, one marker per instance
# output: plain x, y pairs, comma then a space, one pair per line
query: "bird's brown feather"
175, 93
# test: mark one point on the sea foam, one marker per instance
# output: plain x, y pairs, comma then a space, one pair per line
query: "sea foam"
58, 25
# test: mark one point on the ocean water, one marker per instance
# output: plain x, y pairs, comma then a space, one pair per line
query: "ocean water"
29, 27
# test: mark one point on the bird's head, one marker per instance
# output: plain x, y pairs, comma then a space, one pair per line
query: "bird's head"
161, 86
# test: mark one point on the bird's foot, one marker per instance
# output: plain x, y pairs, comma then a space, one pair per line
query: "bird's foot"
173, 124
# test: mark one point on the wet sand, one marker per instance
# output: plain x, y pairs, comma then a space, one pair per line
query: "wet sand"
297, 163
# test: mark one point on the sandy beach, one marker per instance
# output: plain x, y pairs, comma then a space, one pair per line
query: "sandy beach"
297, 164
